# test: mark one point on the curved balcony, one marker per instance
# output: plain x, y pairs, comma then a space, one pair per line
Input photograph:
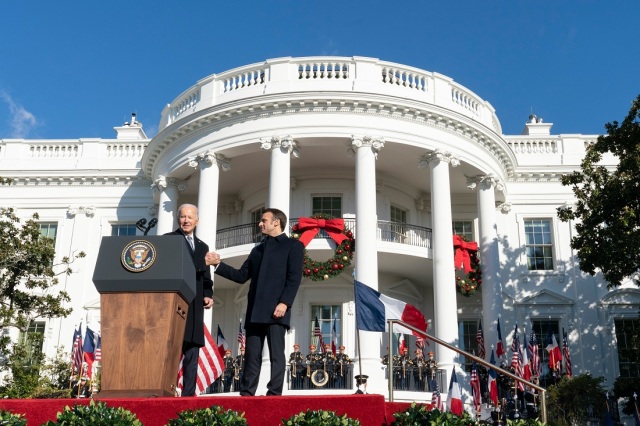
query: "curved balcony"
330, 74
390, 232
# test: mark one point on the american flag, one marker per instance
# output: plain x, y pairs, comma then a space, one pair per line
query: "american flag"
436, 399
480, 340
475, 387
317, 332
76, 353
210, 364
242, 338
534, 352
567, 354
516, 358
98, 355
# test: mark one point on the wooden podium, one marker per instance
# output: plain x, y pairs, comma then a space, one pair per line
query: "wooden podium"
145, 285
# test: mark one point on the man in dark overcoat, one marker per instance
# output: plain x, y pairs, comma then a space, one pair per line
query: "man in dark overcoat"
194, 327
275, 269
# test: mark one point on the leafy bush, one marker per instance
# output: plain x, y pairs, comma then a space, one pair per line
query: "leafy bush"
7, 418
574, 400
209, 417
320, 418
96, 415
525, 422
418, 414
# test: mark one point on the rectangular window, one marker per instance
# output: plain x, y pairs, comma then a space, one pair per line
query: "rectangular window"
464, 228
467, 331
33, 341
328, 317
327, 205
123, 229
543, 330
538, 244
625, 331
398, 215
49, 230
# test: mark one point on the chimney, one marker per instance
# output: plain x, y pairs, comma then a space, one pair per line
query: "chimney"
535, 127
130, 131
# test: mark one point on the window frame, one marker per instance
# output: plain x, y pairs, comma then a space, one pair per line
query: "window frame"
331, 212
325, 323
553, 230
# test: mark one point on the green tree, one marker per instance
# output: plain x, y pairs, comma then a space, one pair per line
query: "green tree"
28, 291
608, 203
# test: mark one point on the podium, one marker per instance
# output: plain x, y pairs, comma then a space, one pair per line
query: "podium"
145, 285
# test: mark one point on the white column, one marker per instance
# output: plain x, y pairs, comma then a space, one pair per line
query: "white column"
489, 253
280, 172
366, 255
168, 188
209, 164
444, 289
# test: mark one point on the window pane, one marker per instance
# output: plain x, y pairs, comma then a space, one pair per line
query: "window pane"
467, 331
123, 229
398, 215
49, 230
625, 329
543, 330
464, 228
33, 342
327, 205
327, 315
539, 249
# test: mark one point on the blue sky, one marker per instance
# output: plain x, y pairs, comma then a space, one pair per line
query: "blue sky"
76, 69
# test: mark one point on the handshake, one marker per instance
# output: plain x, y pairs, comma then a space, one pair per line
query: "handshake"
212, 258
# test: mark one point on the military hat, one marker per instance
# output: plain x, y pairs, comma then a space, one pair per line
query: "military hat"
312, 346
341, 347
405, 349
228, 351
430, 353
418, 351
296, 345
242, 348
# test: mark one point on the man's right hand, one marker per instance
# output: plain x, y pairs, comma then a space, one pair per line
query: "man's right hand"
212, 258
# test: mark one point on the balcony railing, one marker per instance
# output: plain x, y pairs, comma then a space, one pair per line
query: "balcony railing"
392, 232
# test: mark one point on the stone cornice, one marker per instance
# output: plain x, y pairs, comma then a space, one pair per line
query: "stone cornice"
226, 115
61, 181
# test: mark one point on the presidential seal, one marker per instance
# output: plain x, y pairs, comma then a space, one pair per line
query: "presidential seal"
138, 256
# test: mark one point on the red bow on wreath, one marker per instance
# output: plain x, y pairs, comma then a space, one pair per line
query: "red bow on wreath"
462, 249
309, 228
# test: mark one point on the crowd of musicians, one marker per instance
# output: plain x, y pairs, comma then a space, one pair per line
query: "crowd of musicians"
417, 373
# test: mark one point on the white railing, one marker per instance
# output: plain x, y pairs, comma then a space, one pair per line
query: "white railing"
295, 75
534, 146
132, 150
54, 150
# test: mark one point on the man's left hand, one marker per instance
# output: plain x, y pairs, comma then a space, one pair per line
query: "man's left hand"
208, 302
281, 309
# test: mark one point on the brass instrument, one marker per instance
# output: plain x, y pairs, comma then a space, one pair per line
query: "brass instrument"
308, 368
293, 368
320, 377
236, 373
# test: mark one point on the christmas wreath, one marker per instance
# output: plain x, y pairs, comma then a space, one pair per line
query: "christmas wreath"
307, 228
468, 271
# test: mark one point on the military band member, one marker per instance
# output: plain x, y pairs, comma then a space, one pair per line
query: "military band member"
419, 371
343, 368
311, 361
432, 367
296, 366
402, 370
328, 362
238, 365
229, 370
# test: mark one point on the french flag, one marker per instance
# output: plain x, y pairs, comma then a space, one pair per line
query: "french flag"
500, 346
454, 397
493, 383
374, 309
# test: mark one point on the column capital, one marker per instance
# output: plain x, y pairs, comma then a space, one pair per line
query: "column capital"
485, 181
163, 182
205, 159
423, 203
285, 143
375, 143
438, 155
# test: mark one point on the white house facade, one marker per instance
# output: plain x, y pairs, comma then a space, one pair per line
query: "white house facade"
407, 157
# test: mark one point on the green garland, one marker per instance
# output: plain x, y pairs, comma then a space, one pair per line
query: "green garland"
322, 271
469, 283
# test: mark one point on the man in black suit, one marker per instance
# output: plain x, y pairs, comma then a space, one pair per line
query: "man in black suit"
194, 328
275, 269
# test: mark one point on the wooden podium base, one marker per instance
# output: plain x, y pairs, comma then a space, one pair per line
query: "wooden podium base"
142, 337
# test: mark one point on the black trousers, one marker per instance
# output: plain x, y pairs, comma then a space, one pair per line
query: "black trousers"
256, 334
189, 368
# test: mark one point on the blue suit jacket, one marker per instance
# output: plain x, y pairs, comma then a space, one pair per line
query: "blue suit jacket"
275, 269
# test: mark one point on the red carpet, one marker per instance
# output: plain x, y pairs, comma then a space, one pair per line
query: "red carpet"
371, 410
